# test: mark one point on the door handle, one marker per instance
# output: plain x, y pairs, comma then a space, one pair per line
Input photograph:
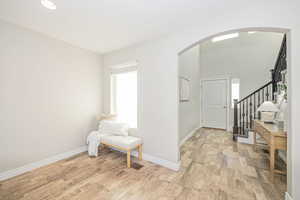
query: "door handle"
224, 106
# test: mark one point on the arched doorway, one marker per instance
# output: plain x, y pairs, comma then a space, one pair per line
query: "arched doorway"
180, 86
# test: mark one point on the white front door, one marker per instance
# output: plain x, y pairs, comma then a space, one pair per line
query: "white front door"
214, 103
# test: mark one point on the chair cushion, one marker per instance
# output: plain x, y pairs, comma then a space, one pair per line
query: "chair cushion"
127, 142
113, 128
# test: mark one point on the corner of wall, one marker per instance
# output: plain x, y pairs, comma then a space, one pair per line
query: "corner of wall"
188, 136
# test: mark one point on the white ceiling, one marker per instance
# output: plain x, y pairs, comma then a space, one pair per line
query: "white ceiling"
106, 25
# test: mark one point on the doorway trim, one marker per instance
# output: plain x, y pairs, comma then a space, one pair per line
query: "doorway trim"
227, 79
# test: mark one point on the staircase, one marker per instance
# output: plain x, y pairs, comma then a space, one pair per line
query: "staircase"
245, 109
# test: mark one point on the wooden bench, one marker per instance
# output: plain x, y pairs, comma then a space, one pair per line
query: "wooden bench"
127, 149
123, 143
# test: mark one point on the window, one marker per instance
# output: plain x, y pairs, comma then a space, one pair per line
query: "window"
235, 90
124, 97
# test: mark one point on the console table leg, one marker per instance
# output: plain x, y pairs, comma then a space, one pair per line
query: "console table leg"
272, 159
254, 140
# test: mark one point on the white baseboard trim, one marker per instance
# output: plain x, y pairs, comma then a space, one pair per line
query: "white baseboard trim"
26, 168
248, 140
159, 161
20, 170
165, 163
189, 136
288, 196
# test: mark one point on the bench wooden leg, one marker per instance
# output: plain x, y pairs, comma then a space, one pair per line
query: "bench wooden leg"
128, 159
140, 152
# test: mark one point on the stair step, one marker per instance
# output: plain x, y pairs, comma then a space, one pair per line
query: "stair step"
244, 132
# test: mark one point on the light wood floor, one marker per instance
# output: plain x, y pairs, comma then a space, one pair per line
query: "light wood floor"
213, 168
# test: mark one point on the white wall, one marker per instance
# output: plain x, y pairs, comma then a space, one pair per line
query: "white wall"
189, 112
50, 94
249, 57
157, 123
158, 63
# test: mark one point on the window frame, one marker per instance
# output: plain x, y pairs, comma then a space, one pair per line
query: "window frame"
238, 82
121, 69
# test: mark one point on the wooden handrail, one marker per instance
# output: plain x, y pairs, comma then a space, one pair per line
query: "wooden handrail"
281, 51
266, 85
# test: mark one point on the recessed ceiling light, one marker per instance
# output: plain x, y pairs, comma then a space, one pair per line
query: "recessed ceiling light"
225, 37
48, 4
251, 32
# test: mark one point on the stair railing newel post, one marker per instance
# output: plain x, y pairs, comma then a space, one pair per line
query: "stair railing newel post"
267, 94
240, 117
243, 119
235, 118
263, 94
251, 114
258, 101
254, 106
273, 83
247, 115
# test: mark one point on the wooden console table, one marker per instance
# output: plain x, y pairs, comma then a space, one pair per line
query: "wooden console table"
275, 138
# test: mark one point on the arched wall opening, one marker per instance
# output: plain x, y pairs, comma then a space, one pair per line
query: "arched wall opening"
247, 29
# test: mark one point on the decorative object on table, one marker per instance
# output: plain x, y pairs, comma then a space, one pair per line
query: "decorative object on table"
267, 111
282, 115
184, 89
282, 85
